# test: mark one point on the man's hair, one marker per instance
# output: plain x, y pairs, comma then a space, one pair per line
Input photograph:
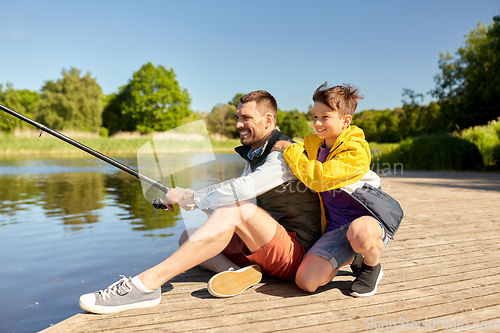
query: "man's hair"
264, 101
343, 99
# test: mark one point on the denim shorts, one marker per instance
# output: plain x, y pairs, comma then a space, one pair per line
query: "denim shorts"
336, 248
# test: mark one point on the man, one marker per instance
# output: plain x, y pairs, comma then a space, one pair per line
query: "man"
271, 236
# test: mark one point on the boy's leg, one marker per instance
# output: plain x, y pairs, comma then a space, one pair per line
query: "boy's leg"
365, 235
324, 259
314, 272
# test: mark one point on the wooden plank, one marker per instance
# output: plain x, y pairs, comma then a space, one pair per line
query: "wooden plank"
439, 266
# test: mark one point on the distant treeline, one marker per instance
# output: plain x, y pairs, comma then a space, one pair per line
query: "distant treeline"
467, 94
461, 130
151, 101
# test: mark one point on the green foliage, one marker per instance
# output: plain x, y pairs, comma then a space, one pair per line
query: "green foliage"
222, 120
22, 101
72, 102
486, 138
293, 124
495, 158
103, 131
310, 113
379, 126
236, 100
112, 117
151, 101
390, 126
433, 152
468, 86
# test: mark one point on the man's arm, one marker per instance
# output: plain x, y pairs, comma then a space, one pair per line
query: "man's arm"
273, 172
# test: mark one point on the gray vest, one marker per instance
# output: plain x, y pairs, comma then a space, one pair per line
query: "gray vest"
291, 204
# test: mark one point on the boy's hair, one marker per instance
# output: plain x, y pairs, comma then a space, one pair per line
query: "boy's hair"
264, 101
343, 99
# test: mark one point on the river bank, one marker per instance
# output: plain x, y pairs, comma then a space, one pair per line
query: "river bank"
39, 144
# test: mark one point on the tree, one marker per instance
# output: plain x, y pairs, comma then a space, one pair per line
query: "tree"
468, 86
112, 117
72, 102
310, 113
221, 120
236, 100
154, 100
22, 101
293, 124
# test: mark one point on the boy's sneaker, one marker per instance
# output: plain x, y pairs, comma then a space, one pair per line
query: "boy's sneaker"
356, 263
366, 280
231, 282
120, 296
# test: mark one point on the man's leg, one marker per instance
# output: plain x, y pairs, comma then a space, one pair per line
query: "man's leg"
365, 235
217, 264
257, 228
256, 231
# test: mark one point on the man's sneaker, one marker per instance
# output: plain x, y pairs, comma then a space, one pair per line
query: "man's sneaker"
356, 263
366, 281
120, 296
231, 282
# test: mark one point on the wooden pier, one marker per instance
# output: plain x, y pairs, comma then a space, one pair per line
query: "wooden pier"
441, 273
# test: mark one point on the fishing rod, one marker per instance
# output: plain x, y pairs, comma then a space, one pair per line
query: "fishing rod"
157, 203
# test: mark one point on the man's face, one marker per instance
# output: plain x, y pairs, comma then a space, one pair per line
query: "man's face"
252, 126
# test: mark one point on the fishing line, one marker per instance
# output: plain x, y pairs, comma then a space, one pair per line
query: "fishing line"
157, 202
64, 147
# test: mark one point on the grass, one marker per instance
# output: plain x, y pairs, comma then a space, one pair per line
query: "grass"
28, 143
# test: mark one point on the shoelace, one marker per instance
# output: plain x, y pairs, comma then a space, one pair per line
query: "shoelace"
114, 289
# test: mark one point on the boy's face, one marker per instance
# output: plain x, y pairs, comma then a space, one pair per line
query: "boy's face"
328, 124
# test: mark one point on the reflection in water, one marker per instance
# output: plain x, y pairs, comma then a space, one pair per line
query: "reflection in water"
104, 216
77, 197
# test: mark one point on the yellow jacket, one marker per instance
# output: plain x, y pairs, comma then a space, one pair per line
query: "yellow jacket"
347, 166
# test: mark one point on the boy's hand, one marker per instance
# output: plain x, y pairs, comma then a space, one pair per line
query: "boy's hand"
281, 145
181, 197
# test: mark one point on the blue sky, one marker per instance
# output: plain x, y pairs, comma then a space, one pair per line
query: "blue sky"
220, 48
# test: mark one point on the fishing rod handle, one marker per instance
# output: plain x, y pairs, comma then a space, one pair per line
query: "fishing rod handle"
160, 204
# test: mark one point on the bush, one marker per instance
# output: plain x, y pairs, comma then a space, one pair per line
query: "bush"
495, 165
486, 138
434, 152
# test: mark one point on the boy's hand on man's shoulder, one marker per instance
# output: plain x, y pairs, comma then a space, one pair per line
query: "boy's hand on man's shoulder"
281, 145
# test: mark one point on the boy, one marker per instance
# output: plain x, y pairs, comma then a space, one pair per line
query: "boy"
357, 217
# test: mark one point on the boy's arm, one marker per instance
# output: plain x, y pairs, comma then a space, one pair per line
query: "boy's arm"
346, 167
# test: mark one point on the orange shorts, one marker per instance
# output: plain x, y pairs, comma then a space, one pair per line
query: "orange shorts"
280, 257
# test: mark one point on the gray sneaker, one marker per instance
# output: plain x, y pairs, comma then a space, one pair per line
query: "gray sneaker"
121, 295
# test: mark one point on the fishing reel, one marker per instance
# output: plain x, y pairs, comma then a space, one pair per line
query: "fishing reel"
158, 203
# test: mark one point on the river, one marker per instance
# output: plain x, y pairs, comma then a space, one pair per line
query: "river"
72, 226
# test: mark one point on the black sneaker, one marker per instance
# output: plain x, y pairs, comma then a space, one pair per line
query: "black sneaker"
366, 280
356, 263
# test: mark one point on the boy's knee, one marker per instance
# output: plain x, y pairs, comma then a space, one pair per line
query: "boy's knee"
304, 282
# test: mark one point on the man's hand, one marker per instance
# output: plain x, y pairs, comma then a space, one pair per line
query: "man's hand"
281, 145
183, 197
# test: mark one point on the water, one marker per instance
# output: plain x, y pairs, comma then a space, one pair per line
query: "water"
68, 227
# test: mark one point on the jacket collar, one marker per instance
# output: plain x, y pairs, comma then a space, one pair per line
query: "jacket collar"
267, 146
